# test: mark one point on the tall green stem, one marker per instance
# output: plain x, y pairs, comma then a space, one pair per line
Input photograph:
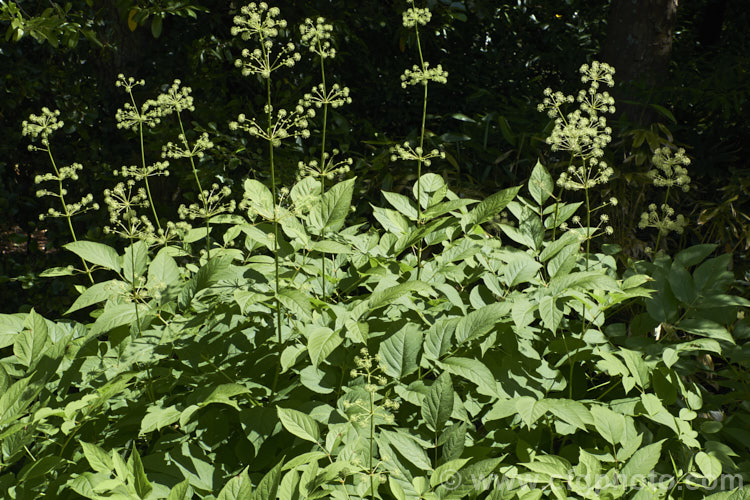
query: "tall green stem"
658, 236
323, 159
65, 209
143, 161
269, 132
421, 148
132, 277
588, 226
201, 194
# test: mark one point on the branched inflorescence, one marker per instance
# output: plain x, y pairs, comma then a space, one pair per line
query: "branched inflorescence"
286, 124
413, 16
259, 20
176, 99
329, 169
184, 150
69, 209
335, 97
421, 76
407, 152
662, 218
669, 172
41, 126
670, 169
122, 203
129, 116
316, 35
375, 410
140, 173
214, 204
583, 132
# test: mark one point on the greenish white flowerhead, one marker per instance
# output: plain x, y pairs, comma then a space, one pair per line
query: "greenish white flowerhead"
335, 97
414, 16
583, 132
214, 204
316, 35
419, 76
663, 218
670, 169
183, 150
406, 152
129, 116
42, 125
122, 203
285, 124
330, 169
176, 99
259, 22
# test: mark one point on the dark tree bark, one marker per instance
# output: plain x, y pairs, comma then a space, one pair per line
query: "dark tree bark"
638, 45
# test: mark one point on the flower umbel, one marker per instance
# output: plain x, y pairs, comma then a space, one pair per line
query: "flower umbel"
286, 125
176, 99
183, 150
122, 202
317, 35
663, 218
335, 97
214, 204
69, 209
328, 170
420, 76
670, 169
129, 116
42, 125
406, 152
259, 20
414, 16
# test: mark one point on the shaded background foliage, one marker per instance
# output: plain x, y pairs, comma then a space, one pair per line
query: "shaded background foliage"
500, 56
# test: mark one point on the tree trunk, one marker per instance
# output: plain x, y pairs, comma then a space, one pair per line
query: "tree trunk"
638, 45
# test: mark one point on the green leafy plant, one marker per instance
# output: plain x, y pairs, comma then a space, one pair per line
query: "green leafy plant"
432, 357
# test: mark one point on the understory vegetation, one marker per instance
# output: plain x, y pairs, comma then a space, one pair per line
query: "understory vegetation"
283, 340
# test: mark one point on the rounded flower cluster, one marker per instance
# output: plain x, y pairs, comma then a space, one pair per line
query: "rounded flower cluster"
316, 35
286, 125
552, 102
212, 204
122, 202
336, 97
414, 16
670, 169
597, 73
174, 151
420, 76
665, 222
42, 125
139, 172
259, 20
330, 168
406, 152
176, 99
